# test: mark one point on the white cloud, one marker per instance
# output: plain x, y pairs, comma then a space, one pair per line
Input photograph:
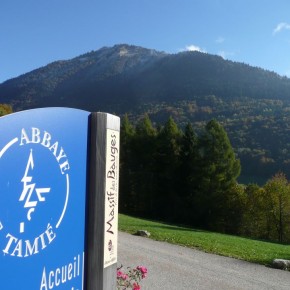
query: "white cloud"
287, 73
220, 40
193, 47
225, 54
281, 26
222, 54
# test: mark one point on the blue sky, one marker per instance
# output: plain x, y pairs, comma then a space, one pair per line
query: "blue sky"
34, 33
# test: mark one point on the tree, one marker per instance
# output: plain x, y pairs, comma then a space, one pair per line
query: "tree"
126, 177
144, 128
167, 160
127, 130
5, 109
143, 148
217, 176
277, 201
188, 172
254, 213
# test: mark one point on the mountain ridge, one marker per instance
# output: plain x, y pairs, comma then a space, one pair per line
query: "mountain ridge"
251, 103
142, 70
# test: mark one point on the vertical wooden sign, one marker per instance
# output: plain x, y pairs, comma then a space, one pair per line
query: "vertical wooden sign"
103, 198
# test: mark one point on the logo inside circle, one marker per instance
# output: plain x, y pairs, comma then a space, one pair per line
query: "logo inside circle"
34, 193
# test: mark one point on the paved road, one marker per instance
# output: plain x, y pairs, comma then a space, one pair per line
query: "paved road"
173, 267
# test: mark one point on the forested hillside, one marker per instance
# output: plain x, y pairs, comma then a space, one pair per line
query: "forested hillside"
178, 176
252, 104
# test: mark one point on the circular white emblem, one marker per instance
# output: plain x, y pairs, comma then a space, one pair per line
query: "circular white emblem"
34, 192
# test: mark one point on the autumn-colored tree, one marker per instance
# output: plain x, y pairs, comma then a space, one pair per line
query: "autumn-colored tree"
277, 205
254, 213
5, 109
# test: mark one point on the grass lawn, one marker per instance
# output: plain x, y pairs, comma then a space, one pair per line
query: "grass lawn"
226, 245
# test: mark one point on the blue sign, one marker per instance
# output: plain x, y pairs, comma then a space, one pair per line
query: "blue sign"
43, 177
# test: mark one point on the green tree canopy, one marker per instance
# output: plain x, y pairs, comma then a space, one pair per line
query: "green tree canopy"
217, 176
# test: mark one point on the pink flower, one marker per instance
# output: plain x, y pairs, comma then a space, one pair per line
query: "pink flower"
143, 270
131, 278
121, 275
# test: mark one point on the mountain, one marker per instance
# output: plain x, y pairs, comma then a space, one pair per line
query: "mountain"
123, 77
94, 81
251, 103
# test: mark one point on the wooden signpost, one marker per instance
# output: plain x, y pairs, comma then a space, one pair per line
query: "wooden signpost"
59, 199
